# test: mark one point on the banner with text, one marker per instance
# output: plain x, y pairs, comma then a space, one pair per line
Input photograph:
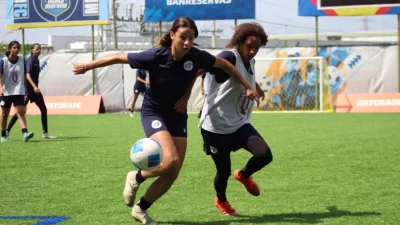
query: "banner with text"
68, 105
55, 13
347, 8
169, 10
386, 102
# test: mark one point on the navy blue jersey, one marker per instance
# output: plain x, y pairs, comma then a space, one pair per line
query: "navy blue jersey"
141, 73
169, 79
220, 74
33, 68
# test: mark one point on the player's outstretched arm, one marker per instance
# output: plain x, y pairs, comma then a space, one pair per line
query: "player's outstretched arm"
81, 68
229, 68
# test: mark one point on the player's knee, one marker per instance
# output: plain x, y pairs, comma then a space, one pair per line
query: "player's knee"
43, 110
4, 113
172, 166
260, 149
20, 111
223, 172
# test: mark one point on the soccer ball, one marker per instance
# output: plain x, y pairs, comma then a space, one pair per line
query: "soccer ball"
146, 154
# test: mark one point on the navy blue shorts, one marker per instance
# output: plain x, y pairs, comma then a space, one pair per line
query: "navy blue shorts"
16, 100
175, 124
139, 87
219, 143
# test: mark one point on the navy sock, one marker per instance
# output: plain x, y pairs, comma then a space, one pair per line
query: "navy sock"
139, 178
143, 204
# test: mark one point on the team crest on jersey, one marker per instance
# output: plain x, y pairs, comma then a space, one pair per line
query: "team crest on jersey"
2, 103
188, 65
156, 124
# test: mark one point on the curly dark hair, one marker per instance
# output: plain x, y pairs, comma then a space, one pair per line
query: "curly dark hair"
245, 30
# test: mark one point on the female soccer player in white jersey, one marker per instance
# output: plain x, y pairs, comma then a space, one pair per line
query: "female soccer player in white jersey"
12, 89
34, 94
225, 121
172, 67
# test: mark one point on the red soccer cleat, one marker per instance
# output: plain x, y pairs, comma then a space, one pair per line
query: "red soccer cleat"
250, 184
225, 208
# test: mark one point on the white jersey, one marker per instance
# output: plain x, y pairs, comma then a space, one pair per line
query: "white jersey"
14, 77
227, 106
206, 83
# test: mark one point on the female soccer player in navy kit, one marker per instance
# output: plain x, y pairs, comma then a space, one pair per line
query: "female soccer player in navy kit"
34, 94
225, 121
12, 89
142, 81
172, 67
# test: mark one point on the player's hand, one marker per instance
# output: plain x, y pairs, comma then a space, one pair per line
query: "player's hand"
1, 91
36, 90
181, 105
79, 68
253, 95
261, 93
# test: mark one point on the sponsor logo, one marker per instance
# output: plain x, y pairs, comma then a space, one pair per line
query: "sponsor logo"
64, 105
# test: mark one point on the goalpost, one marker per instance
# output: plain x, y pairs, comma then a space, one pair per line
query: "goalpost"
294, 84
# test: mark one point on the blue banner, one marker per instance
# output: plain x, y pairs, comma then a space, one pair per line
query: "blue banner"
169, 10
55, 13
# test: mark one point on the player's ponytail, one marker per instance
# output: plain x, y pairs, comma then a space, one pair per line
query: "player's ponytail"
164, 41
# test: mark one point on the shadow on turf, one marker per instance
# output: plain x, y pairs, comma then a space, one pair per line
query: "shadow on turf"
65, 138
317, 217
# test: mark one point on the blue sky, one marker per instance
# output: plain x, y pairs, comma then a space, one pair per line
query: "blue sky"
277, 17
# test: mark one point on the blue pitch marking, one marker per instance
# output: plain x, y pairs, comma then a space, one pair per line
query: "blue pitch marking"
44, 220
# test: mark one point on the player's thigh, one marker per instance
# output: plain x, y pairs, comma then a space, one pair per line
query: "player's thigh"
177, 124
19, 104
181, 146
5, 103
216, 144
242, 136
39, 101
155, 127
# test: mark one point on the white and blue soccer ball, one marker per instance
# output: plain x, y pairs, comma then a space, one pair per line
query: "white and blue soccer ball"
146, 154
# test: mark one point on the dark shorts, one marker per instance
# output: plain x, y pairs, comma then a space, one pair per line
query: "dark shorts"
34, 97
175, 124
214, 143
16, 100
139, 88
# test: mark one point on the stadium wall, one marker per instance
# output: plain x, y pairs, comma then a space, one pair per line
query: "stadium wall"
350, 69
